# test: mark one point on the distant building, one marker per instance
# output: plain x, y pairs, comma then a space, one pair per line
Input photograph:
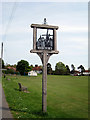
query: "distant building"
86, 72
32, 73
12, 68
76, 73
37, 69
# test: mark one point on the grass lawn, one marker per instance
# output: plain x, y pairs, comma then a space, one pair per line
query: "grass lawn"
67, 96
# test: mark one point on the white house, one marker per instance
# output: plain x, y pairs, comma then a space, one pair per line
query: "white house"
32, 73
86, 72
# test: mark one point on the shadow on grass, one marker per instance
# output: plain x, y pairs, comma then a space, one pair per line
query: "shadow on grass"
21, 91
16, 89
38, 113
44, 116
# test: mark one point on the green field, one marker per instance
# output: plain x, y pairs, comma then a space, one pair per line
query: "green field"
67, 96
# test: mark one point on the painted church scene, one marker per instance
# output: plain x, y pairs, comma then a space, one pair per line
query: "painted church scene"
45, 41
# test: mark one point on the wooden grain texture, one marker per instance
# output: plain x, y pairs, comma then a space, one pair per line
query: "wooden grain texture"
34, 37
55, 39
44, 26
41, 51
44, 83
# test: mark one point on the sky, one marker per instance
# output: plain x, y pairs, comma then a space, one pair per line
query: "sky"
72, 35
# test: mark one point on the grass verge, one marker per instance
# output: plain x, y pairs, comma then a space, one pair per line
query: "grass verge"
67, 96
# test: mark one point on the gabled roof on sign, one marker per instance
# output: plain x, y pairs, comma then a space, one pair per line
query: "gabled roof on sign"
44, 26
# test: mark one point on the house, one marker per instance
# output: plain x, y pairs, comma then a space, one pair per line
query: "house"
37, 69
76, 73
86, 72
12, 68
32, 73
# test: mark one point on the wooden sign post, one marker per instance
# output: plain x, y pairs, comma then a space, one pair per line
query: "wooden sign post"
44, 46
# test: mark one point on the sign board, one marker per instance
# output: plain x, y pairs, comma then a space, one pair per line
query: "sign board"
45, 41
44, 37
44, 44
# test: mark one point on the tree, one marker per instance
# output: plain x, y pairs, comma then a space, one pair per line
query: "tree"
68, 70
14, 65
3, 64
36, 65
60, 69
9, 71
22, 66
29, 68
82, 69
49, 69
73, 69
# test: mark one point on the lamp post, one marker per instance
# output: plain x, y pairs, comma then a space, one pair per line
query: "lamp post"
44, 46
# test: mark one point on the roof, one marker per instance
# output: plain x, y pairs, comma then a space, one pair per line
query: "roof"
38, 68
77, 71
80, 72
87, 71
12, 68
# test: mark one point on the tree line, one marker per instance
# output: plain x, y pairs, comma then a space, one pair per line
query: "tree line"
23, 68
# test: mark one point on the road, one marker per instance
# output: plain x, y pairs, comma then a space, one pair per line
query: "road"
4, 108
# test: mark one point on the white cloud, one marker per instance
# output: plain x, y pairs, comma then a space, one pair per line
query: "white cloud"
16, 29
76, 40
74, 29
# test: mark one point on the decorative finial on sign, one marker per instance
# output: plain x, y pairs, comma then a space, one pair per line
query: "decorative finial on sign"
45, 21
